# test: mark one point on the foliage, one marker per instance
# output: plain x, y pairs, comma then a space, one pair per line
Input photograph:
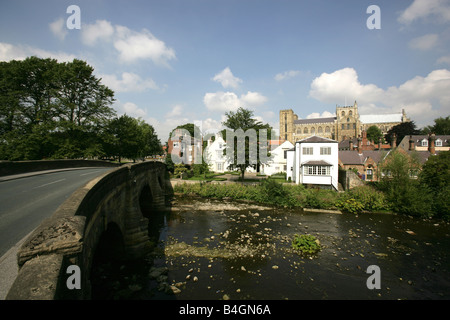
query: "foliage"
179, 170
57, 110
435, 177
401, 130
441, 126
243, 120
374, 133
350, 205
306, 244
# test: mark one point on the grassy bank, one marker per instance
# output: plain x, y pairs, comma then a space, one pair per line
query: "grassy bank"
291, 196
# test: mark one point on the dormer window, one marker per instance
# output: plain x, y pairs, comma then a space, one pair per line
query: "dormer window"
424, 143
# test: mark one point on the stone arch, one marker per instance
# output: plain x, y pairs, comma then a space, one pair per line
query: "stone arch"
145, 201
107, 257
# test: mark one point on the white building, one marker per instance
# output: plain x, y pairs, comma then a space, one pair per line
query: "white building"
215, 154
314, 161
278, 162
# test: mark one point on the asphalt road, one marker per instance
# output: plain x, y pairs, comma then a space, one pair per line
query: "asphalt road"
26, 202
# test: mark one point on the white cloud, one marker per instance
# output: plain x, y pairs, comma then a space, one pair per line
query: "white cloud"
10, 52
253, 99
227, 79
325, 114
342, 84
130, 45
438, 10
425, 42
229, 101
130, 82
286, 75
133, 46
444, 59
100, 30
423, 98
133, 110
176, 111
58, 28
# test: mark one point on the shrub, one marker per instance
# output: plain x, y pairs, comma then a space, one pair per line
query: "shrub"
306, 244
350, 205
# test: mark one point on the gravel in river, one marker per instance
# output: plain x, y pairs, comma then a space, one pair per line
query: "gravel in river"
217, 249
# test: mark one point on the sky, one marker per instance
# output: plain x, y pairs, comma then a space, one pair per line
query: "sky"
172, 62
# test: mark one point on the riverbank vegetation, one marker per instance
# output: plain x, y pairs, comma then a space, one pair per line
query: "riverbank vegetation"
425, 195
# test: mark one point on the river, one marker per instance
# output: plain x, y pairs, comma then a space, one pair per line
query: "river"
222, 249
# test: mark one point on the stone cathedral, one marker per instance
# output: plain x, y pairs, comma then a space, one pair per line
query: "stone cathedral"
347, 124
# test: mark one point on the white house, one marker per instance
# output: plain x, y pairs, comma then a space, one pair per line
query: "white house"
278, 162
314, 161
215, 154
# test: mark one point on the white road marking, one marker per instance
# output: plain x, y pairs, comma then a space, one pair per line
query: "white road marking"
49, 183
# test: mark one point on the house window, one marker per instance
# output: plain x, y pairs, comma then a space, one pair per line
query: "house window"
285, 154
219, 166
316, 170
325, 150
438, 143
307, 151
424, 143
369, 174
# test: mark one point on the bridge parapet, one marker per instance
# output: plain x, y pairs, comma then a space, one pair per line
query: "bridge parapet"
124, 197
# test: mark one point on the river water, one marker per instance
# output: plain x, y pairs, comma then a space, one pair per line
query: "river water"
217, 249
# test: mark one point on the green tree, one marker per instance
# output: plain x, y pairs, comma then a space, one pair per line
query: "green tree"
148, 144
122, 138
51, 110
401, 130
441, 126
435, 179
400, 185
243, 120
374, 134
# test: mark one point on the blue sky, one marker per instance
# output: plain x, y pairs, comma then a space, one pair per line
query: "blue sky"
176, 61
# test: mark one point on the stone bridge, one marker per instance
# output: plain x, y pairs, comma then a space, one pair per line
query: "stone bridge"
113, 209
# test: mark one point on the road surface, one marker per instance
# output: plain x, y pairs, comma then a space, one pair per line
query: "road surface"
25, 203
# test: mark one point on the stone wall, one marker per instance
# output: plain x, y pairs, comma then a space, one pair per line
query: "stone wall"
17, 167
71, 235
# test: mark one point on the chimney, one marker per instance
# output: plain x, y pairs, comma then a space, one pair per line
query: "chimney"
359, 145
350, 144
394, 141
411, 143
431, 144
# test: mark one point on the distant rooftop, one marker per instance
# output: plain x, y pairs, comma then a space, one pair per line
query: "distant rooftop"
381, 118
316, 139
314, 120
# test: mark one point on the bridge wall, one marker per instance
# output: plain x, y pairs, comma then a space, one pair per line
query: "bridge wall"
124, 197
17, 167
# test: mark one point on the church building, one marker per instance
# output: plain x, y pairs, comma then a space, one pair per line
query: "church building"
347, 124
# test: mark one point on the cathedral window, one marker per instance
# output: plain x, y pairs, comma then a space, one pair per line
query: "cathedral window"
305, 130
327, 129
320, 130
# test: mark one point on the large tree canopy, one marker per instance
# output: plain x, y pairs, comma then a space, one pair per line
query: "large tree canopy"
57, 110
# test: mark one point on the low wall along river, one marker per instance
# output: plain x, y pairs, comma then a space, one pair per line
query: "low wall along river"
211, 249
